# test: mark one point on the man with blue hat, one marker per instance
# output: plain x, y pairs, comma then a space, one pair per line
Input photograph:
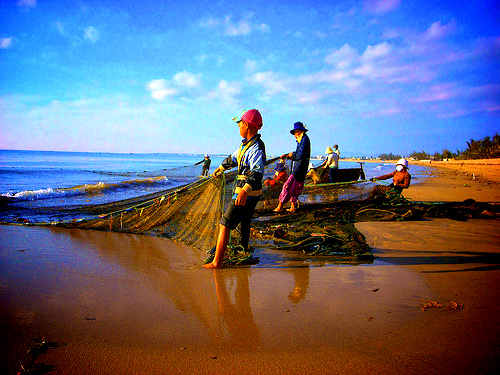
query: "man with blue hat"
295, 183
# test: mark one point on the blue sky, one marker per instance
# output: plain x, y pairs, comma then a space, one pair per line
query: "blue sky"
167, 76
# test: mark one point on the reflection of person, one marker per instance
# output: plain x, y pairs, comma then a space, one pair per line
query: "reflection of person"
400, 180
301, 276
237, 315
250, 159
206, 165
280, 176
295, 183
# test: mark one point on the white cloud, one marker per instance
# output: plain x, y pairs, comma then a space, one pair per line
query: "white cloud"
202, 58
241, 28
26, 4
392, 33
232, 28
438, 93
324, 77
308, 97
343, 57
376, 52
438, 30
225, 93
181, 82
211, 22
92, 34
220, 61
160, 90
264, 28
382, 112
187, 79
250, 65
271, 81
60, 28
5, 43
364, 70
231, 88
380, 6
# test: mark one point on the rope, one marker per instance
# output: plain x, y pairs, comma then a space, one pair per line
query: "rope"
335, 183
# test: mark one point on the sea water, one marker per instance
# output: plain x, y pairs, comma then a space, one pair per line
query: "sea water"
50, 178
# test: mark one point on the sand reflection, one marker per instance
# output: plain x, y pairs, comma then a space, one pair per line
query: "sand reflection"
152, 291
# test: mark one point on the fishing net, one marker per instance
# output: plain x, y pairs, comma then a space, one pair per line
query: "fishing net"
189, 213
322, 227
327, 229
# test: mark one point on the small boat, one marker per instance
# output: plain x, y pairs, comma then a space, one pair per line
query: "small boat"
320, 175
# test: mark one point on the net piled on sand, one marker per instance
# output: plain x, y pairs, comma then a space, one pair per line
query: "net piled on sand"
323, 225
327, 229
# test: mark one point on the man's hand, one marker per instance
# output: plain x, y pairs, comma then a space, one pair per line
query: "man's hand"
218, 172
241, 199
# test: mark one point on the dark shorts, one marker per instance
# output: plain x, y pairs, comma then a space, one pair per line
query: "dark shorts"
397, 189
332, 177
237, 214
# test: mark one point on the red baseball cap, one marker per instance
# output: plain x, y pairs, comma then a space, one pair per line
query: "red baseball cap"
251, 116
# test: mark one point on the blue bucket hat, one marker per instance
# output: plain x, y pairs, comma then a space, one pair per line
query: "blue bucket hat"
298, 126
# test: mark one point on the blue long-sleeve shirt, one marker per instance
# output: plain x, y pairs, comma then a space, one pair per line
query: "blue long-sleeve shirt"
301, 158
251, 165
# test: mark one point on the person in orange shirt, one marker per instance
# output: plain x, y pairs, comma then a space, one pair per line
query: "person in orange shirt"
400, 180
280, 176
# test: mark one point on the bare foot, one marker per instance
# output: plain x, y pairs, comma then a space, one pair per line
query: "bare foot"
278, 210
291, 209
211, 266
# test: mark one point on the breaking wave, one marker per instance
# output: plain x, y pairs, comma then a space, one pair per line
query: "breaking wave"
90, 189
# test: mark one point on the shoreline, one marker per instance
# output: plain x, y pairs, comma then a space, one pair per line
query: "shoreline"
122, 303
458, 181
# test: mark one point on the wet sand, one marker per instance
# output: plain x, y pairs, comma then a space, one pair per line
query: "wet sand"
111, 303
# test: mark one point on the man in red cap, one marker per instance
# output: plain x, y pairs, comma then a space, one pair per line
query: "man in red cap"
250, 158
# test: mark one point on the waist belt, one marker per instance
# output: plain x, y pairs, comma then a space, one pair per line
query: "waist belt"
253, 193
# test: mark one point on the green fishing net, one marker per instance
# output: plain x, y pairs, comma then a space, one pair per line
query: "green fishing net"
323, 226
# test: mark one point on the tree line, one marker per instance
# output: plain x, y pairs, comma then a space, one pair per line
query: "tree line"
486, 148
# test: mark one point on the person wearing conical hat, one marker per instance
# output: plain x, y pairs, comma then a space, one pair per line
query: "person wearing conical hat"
332, 162
295, 182
401, 179
250, 158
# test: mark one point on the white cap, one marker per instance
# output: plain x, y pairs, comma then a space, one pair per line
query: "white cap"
403, 162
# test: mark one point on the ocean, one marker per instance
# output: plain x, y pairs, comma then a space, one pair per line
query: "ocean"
51, 178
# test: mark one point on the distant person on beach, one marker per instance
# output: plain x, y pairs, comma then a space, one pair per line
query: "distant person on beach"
280, 175
250, 158
295, 182
206, 165
332, 162
400, 180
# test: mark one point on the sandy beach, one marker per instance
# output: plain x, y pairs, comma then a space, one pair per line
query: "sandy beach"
112, 303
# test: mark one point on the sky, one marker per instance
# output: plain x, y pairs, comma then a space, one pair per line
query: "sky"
128, 76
